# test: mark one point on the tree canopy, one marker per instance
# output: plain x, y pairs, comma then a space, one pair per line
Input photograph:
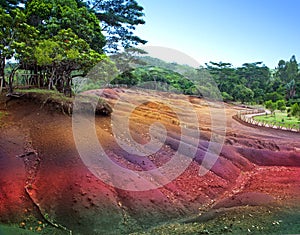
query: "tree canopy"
119, 19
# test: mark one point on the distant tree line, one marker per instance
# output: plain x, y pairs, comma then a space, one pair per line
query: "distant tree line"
250, 83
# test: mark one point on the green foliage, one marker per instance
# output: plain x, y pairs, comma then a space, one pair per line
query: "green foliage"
280, 119
63, 54
295, 110
272, 106
15, 37
274, 96
119, 19
288, 72
155, 78
50, 17
266, 84
66, 48
281, 105
46, 52
226, 96
14, 32
242, 93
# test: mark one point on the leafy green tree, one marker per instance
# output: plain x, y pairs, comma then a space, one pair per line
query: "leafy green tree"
62, 55
119, 19
281, 105
226, 96
242, 93
255, 76
224, 75
295, 110
288, 73
14, 33
290, 89
52, 16
272, 106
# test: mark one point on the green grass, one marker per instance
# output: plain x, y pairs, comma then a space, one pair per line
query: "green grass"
243, 220
281, 118
13, 229
55, 95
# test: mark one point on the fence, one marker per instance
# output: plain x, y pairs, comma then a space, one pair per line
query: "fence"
246, 116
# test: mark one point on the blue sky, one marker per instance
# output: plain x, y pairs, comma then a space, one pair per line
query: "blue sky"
234, 31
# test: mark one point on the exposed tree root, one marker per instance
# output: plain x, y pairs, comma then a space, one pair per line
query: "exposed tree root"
45, 102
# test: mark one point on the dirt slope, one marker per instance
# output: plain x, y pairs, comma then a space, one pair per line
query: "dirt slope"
42, 174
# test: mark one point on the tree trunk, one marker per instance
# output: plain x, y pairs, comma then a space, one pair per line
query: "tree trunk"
11, 77
2, 74
68, 89
51, 80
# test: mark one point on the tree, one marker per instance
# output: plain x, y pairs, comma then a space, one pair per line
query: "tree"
242, 93
255, 76
69, 39
290, 89
119, 19
272, 106
62, 55
295, 110
52, 16
224, 75
281, 105
226, 97
13, 32
288, 73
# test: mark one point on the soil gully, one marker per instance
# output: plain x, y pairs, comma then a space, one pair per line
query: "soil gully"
257, 170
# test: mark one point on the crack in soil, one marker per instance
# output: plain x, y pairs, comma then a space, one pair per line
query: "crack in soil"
32, 161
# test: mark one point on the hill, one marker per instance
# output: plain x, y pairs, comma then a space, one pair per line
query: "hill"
254, 181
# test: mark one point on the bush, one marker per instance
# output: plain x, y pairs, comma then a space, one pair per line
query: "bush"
272, 106
295, 110
281, 105
226, 96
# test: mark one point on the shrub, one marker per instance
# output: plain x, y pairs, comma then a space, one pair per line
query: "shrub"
272, 106
281, 105
295, 110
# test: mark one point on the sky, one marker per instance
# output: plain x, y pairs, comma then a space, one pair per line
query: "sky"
233, 31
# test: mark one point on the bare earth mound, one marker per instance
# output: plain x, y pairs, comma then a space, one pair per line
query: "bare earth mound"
43, 176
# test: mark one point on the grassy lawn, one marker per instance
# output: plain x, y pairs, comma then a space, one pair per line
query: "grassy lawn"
280, 118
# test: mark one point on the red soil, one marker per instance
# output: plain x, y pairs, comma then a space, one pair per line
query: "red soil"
255, 167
